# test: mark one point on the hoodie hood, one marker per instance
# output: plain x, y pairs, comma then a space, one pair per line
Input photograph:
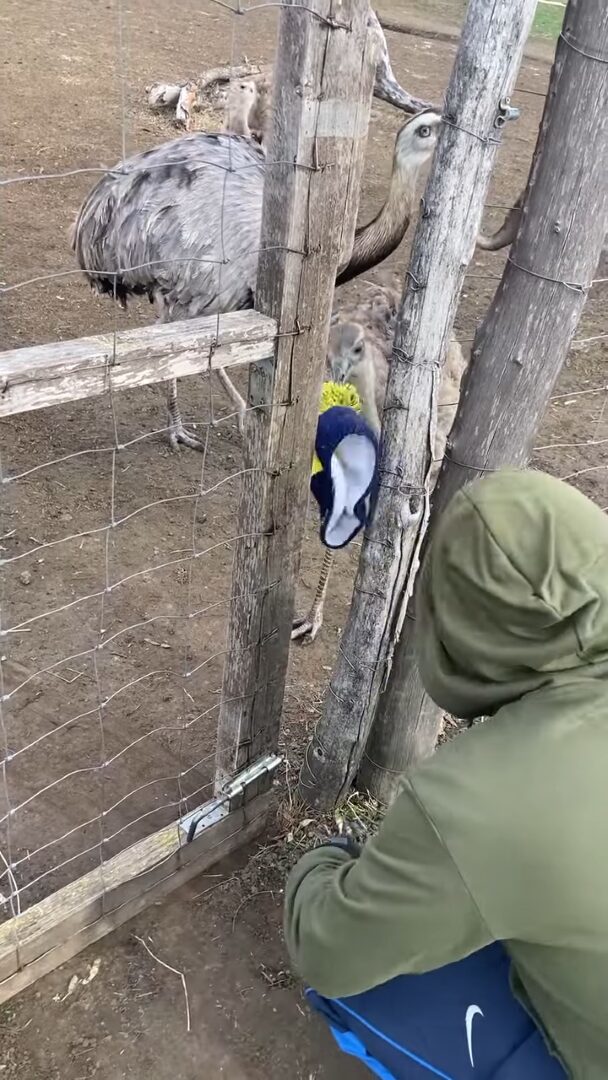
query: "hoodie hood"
513, 595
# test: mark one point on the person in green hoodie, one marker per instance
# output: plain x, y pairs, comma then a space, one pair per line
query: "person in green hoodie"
493, 860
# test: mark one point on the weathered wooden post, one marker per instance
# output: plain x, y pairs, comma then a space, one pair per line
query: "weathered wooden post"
523, 342
323, 81
485, 69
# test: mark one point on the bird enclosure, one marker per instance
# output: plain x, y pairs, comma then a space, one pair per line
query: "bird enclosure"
146, 611
147, 597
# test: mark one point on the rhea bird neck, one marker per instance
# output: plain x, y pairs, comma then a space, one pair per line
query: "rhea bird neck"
375, 241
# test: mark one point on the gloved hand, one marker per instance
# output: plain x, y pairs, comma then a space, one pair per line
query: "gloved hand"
346, 843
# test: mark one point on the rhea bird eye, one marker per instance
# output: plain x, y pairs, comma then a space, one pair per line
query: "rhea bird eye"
424, 131
357, 349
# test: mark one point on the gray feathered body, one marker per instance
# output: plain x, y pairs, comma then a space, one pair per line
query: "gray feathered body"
180, 223
360, 349
377, 312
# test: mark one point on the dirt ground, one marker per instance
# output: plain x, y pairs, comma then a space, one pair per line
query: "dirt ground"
72, 69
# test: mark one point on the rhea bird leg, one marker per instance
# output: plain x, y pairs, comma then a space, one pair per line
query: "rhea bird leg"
309, 625
177, 432
239, 402
180, 434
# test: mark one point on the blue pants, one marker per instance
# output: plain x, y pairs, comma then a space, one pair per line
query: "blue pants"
458, 1023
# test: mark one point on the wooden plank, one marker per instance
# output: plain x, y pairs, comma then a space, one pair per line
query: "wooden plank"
484, 72
525, 337
51, 932
323, 77
42, 375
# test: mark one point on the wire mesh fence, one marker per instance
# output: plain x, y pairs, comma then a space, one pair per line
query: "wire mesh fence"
117, 581
122, 565
117, 555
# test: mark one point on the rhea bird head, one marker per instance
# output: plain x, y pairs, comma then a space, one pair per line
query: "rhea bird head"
414, 145
241, 89
417, 139
346, 350
239, 102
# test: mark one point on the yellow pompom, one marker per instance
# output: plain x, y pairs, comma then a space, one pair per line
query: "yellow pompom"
334, 393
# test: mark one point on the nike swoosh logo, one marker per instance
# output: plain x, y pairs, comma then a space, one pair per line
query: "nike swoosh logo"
471, 1013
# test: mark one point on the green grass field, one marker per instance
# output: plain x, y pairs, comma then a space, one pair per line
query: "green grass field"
548, 21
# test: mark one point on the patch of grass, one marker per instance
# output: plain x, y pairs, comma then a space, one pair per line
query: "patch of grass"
548, 21
360, 815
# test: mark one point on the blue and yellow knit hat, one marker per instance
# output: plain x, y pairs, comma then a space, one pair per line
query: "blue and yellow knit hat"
344, 467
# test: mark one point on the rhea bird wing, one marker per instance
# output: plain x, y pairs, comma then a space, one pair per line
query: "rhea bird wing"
180, 222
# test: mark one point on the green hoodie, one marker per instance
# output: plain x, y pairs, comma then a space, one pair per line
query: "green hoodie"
503, 833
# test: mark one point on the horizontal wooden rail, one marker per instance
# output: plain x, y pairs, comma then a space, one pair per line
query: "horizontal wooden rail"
42, 375
65, 923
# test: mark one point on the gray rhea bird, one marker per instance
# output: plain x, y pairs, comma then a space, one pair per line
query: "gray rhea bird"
359, 352
249, 108
181, 224
241, 101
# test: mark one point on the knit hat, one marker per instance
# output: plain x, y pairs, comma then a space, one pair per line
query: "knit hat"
344, 470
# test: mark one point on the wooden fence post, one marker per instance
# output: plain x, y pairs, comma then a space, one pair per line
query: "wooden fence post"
484, 72
323, 80
524, 340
